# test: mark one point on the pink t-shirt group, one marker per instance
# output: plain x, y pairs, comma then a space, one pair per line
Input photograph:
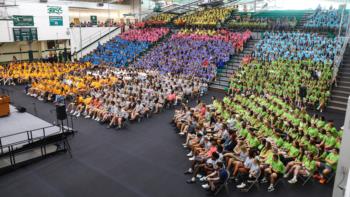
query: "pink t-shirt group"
145, 35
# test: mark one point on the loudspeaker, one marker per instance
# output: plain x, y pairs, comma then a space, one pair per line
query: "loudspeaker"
21, 109
61, 112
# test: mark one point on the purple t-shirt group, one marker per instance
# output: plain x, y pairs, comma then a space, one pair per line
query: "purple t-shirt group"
188, 55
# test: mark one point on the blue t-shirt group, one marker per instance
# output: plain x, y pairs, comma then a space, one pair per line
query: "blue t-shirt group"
116, 52
297, 46
326, 19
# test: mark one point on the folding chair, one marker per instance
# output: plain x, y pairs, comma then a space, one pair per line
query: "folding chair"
223, 185
331, 176
305, 179
254, 182
278, 181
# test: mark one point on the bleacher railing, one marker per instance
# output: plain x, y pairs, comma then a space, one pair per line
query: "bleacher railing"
338, 59
97, 35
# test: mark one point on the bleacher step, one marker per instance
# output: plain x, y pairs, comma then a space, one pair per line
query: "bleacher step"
336, 108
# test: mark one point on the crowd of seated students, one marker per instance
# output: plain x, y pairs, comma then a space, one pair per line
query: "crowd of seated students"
326, 19
160, 19
145, 35
255, 136
284, 79
283, 63
132, 95
106, 94
205, 18
297, 46
123, 49
22, 73
193, 52
99, 24
262, 23
236, 38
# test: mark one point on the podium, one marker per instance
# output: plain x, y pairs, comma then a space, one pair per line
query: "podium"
4, 106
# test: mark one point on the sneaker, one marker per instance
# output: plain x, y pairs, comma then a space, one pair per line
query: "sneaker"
242, 185
192, 158
199, 176
189, 171
78, 115
205, 186
264, 180
190, 181
87, 116
286, 175
292, 181
203, 179
190, 154
271, 188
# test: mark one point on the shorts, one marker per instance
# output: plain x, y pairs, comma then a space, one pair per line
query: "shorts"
325, 166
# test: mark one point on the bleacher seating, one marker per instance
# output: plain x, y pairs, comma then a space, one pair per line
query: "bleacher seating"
194, 52
272, 20
326, 19
160, 19
206, 18
123, 49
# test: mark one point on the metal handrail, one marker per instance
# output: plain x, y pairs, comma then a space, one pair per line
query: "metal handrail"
4, 136
338, 59
30, 137
96, 36
183, 6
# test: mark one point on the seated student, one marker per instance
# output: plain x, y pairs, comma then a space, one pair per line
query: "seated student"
205, 165
254, 172
266, 152
243, 166
171, 98
305, 167
243, 154
290, 152
71, 108
159, 104
274, 171
327, 166
137, 111
216, 178
117, 116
